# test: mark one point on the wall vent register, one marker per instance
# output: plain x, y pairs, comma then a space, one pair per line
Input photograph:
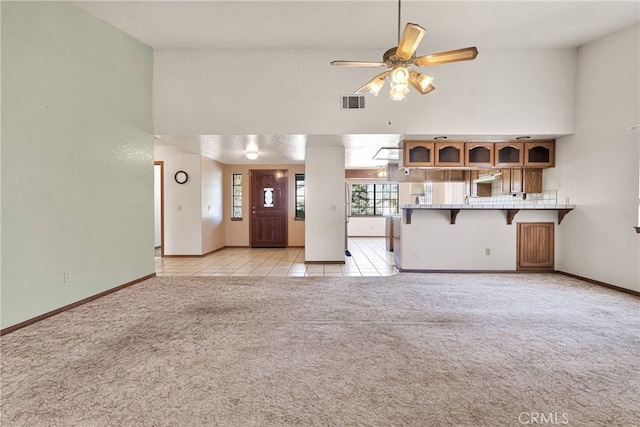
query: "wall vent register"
352, 102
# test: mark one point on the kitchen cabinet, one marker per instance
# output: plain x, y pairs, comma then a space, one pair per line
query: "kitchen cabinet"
477, 189
418, 154
535, 246
508, 154
449, 154
540, 154
478, 154
521, 181
446, 175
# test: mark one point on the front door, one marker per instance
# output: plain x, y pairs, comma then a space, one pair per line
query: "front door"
268, 225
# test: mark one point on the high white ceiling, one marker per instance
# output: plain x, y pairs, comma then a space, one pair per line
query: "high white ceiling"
351, 24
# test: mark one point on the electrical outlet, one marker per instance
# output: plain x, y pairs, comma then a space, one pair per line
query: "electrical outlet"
67, 276
487, 251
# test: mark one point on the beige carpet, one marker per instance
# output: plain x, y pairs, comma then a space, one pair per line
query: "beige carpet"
407, 350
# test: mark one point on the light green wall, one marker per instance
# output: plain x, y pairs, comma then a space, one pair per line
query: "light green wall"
77, 158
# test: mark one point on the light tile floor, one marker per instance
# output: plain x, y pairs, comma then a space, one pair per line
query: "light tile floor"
368, 258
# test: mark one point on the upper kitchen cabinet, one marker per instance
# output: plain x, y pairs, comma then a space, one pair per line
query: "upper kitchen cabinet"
418, 154
478, 154
508, 154
540, 154
449, 154
521, 180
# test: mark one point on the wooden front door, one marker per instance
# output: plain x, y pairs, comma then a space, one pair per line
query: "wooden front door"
268, 225
535, 246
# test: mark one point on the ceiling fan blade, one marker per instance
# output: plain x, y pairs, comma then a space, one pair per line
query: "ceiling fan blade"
421, 82
358, 64
465, 54
374, 85
411, 37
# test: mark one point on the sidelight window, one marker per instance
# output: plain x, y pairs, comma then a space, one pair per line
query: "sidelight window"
299, 196
236, 194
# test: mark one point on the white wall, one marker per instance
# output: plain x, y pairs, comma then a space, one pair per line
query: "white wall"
297, 92
193, 211
77, 158
366, 226
597, 168
212, 205
431, 242
325, 226
182, 202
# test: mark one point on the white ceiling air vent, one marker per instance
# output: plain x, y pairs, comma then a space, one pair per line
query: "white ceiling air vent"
353, 102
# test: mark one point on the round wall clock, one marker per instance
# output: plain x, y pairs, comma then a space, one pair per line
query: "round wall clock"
181, 177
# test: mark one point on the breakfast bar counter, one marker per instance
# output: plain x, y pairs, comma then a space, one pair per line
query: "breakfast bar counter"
510, 209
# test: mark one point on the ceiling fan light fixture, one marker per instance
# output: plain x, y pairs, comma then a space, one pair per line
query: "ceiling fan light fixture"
375, 86
421, 82
399, 57
398, 94
424, 81
400, 75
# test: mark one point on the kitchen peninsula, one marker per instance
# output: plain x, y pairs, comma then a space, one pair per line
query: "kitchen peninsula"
441, 238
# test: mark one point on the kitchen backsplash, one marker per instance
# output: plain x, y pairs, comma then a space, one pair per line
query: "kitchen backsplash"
547, 197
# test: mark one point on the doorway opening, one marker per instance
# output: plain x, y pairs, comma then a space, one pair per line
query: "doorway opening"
158, 202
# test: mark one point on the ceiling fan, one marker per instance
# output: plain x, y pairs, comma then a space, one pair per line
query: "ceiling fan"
403, 56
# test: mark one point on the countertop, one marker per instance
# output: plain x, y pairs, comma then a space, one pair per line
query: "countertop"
490, 207
510, 209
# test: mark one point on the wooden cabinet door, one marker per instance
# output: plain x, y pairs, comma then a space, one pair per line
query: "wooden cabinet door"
540, 154
532, 181
418, 154
506, 181
519, 181
478, 154
449, 154
508, 154
512, 181
535, 246
517, 186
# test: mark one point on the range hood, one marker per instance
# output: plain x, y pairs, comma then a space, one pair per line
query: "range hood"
487, 178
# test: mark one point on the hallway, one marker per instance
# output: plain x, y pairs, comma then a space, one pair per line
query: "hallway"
368, 258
